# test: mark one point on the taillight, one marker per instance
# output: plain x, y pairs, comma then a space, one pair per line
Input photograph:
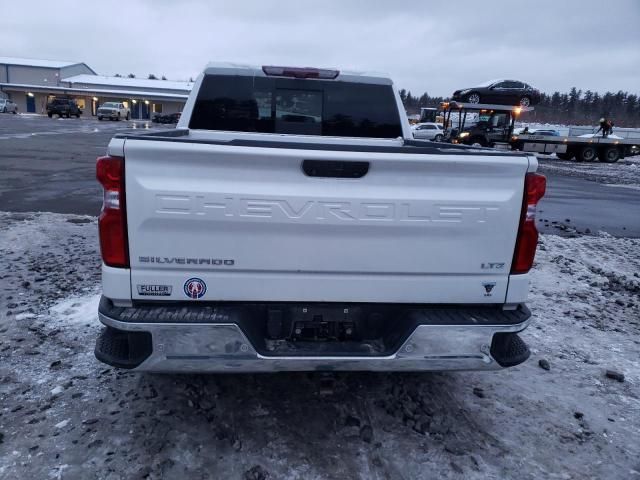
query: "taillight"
534, 187
112, 223
297, 72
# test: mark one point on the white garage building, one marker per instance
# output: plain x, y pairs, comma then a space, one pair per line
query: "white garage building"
31, 83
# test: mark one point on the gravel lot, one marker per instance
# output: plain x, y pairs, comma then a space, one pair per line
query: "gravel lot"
625, 172
64, 415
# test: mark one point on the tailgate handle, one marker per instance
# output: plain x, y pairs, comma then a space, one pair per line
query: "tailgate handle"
334, 168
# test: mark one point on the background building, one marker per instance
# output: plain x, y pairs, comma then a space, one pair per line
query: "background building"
31, 83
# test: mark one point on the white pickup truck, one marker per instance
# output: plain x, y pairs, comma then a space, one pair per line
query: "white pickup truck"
290, 222
114, 111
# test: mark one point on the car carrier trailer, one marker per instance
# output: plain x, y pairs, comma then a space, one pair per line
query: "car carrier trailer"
582, 148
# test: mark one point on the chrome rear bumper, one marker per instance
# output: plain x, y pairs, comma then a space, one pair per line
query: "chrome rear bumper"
223, 347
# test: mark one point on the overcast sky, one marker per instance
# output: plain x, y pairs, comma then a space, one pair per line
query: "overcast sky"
429, 46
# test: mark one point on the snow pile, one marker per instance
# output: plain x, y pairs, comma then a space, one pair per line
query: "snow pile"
594, 135
76, 310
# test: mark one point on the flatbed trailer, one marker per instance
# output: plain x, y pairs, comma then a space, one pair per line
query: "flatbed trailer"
605, 149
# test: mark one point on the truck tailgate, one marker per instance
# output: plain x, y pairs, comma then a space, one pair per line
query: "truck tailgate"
249, 225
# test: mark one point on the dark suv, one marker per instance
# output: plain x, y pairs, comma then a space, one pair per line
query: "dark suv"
64, 107
503, 92
168, 118
491, 128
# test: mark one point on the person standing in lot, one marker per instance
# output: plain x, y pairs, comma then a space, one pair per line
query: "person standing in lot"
609, 127
604, 126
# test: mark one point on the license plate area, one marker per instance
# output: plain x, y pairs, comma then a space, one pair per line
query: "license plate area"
321, 324
320, 330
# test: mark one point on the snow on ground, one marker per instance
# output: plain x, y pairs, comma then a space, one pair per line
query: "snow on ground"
624, 172
77, 309
63, 415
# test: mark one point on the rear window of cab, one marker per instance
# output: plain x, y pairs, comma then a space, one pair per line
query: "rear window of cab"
296, 106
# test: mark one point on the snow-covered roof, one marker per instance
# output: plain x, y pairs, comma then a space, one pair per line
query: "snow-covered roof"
34, 62
129, 82
142, 94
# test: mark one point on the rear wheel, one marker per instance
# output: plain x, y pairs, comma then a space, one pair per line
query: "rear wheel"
473, 98
99, 118
609, 155
525, 101
477, 142
437, 138
587, 154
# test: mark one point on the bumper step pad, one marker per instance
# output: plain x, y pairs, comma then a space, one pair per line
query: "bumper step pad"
123, 349
509, 350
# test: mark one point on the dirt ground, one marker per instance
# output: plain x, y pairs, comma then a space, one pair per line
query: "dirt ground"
64, 415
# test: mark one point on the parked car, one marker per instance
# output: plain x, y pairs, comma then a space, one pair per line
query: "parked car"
7, 106
250, 240
113, 111
545, 131
64, 107
428, 131
167, 118
503, 92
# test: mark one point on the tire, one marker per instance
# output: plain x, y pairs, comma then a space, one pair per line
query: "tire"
49, 114
438, 138
477, 142
77, 115
4, 110
525, 101
609, 155
587, 154
15, 111
128, 116
473, 97
99, 118
564, 156
118, 119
